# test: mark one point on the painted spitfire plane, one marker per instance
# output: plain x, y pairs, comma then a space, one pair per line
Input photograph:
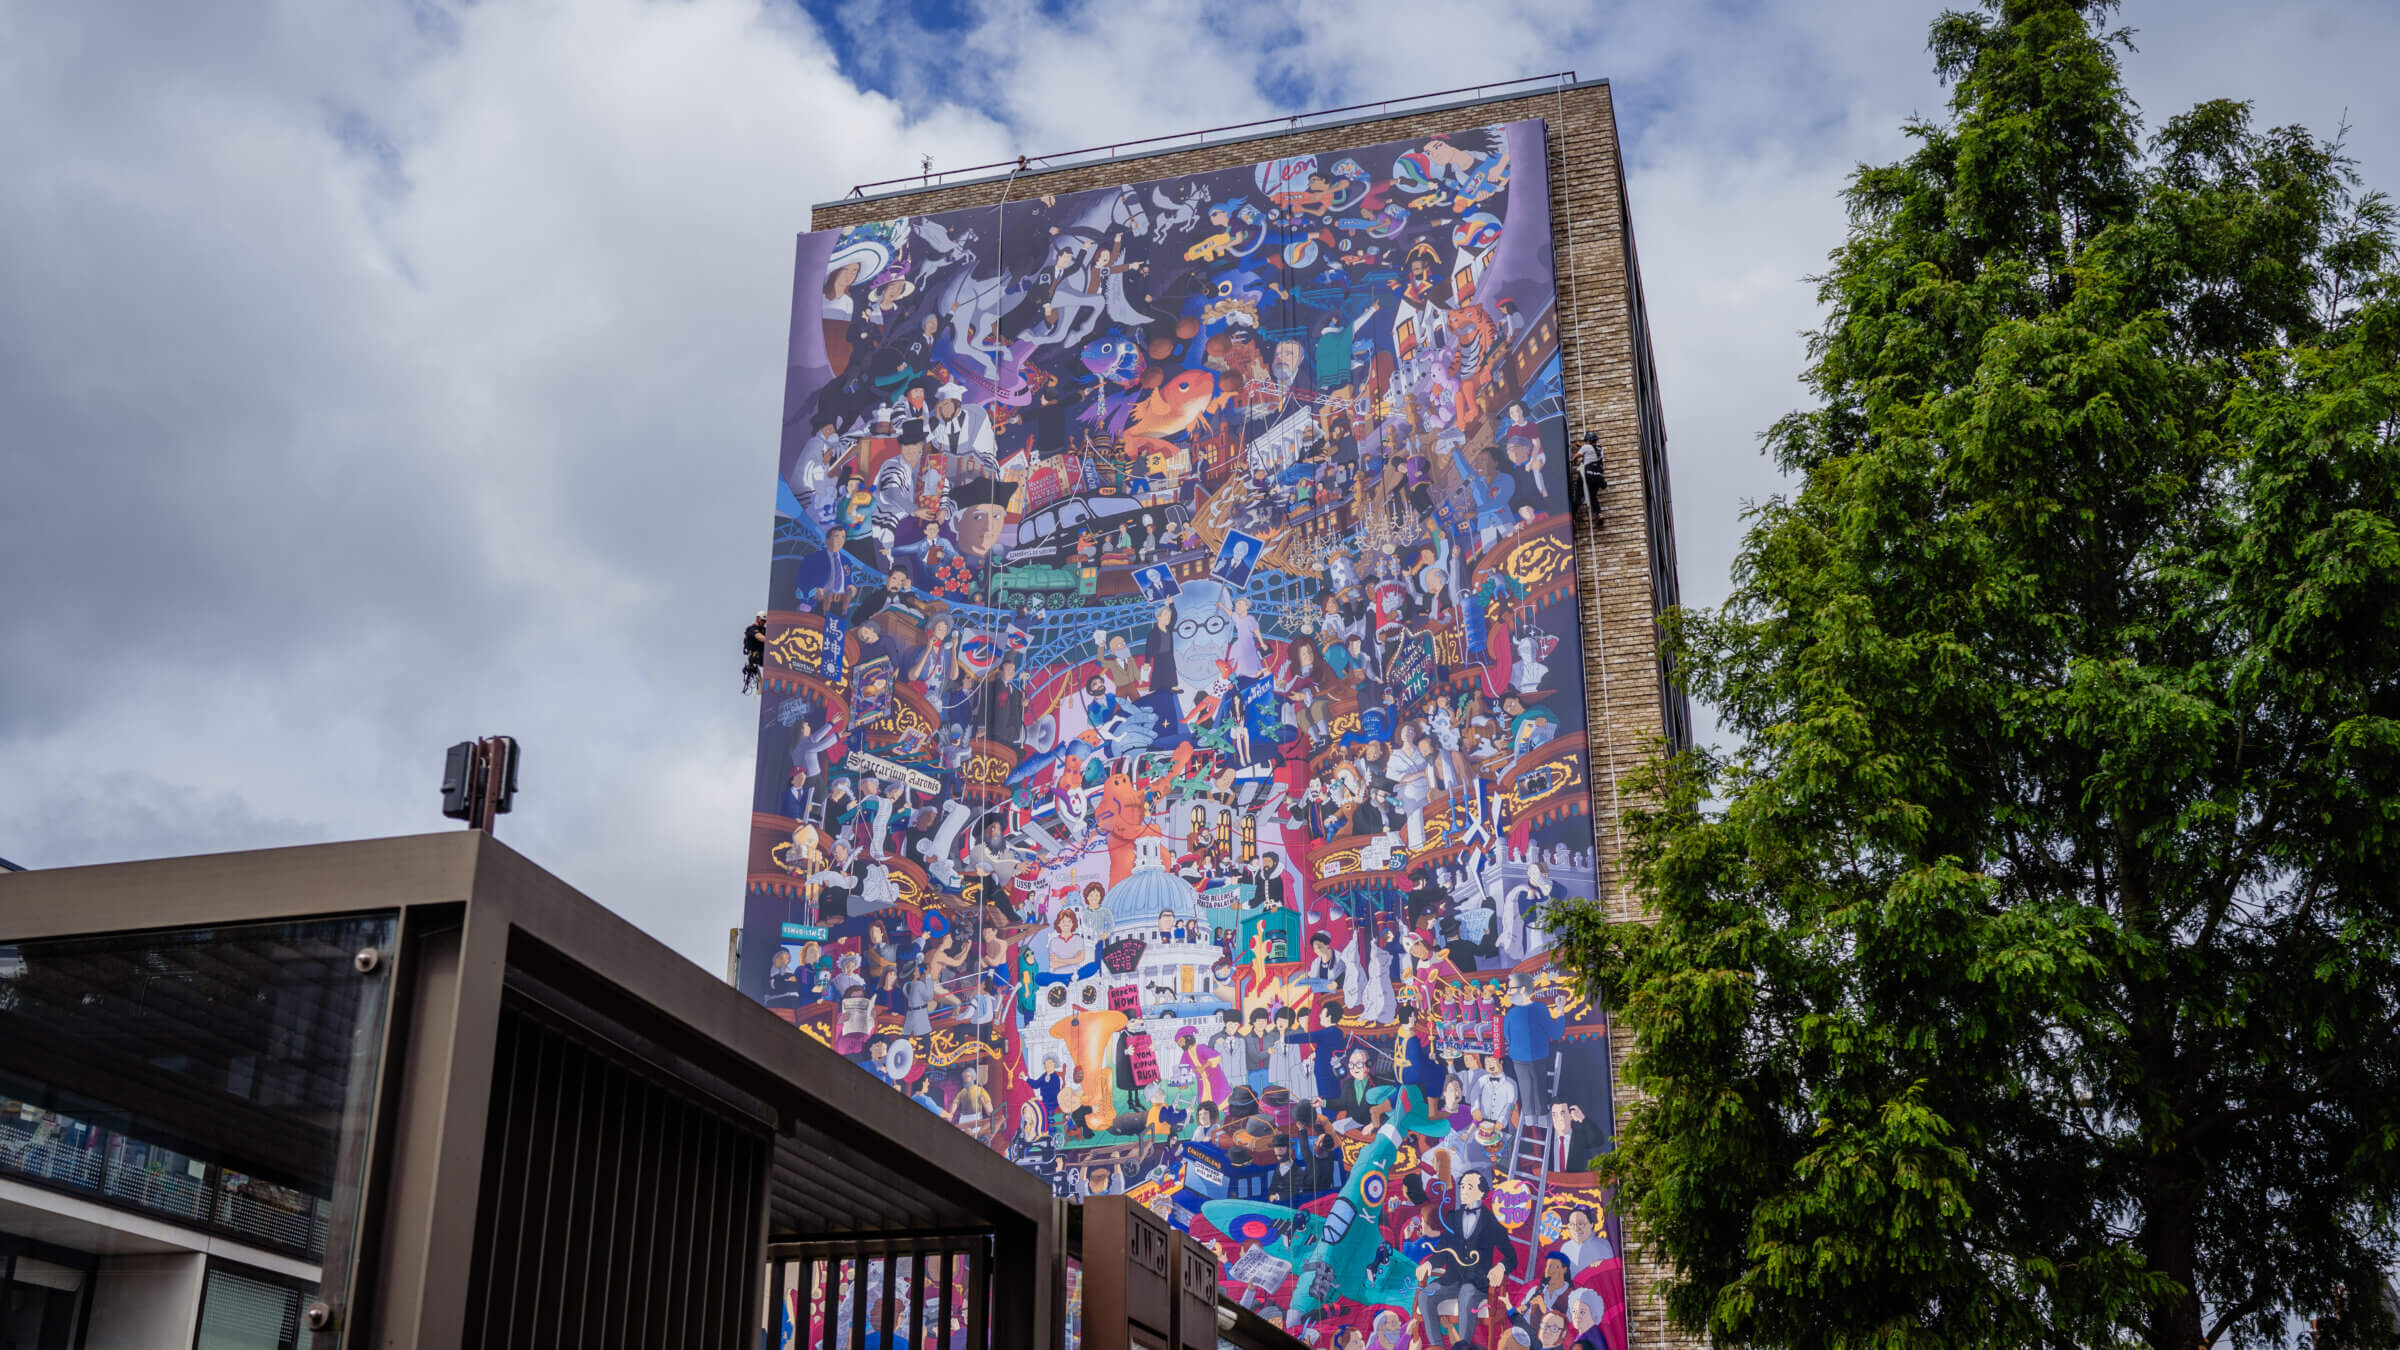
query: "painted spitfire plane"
1341, 1254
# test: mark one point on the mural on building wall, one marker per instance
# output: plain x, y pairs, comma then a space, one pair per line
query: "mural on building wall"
1173, 731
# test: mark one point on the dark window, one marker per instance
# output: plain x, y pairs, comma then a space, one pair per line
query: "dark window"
44, 1291
246, 1310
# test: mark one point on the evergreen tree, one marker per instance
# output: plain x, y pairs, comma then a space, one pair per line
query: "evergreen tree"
2029, 972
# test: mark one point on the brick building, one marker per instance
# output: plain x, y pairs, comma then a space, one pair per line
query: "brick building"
1624, 549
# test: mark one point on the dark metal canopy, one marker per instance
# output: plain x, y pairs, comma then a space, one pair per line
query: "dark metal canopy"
498, 964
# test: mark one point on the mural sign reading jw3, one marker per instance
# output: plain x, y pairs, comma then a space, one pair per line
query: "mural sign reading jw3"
1173, 737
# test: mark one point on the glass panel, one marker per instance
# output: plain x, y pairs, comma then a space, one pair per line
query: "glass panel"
219, 1078
47, 1146
279, 1216
155, 1177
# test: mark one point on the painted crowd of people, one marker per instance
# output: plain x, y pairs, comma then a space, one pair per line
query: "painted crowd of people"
1172, 741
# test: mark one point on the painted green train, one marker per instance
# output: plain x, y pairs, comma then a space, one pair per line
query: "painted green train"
1034, 586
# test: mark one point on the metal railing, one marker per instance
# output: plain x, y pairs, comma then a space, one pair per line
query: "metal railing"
65, 1153
881, 1293
1061, 159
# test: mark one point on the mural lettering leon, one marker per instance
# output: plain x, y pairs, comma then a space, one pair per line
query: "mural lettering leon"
1173, 736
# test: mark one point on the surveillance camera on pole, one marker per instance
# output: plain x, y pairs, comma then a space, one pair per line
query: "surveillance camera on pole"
479, 780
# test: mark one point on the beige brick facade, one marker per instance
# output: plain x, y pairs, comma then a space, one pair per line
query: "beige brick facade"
1626, 555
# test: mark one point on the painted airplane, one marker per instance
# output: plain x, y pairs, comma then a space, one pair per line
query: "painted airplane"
1341, 1254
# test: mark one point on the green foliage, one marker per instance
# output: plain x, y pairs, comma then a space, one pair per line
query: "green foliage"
2030, 974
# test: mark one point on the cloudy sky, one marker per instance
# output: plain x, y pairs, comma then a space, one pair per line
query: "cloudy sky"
379, 374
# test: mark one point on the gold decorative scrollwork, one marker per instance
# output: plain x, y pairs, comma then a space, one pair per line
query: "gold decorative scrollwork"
1574, 1006
950, 1049
1542, 782
1334, 864
903, 719
1437, 825
798, 648
1538, 559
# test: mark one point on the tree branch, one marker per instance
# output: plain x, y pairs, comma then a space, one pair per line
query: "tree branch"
2257, 1300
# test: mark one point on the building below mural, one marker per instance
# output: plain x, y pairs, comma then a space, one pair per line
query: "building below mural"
1173, 736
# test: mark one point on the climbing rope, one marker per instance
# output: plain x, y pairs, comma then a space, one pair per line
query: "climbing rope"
1599, 628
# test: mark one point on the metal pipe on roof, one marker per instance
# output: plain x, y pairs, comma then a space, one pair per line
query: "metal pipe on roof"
1566, 79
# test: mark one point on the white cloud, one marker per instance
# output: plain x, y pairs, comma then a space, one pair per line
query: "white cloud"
381, 386
378, 375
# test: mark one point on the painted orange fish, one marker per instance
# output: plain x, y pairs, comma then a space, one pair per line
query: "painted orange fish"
1177, 403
